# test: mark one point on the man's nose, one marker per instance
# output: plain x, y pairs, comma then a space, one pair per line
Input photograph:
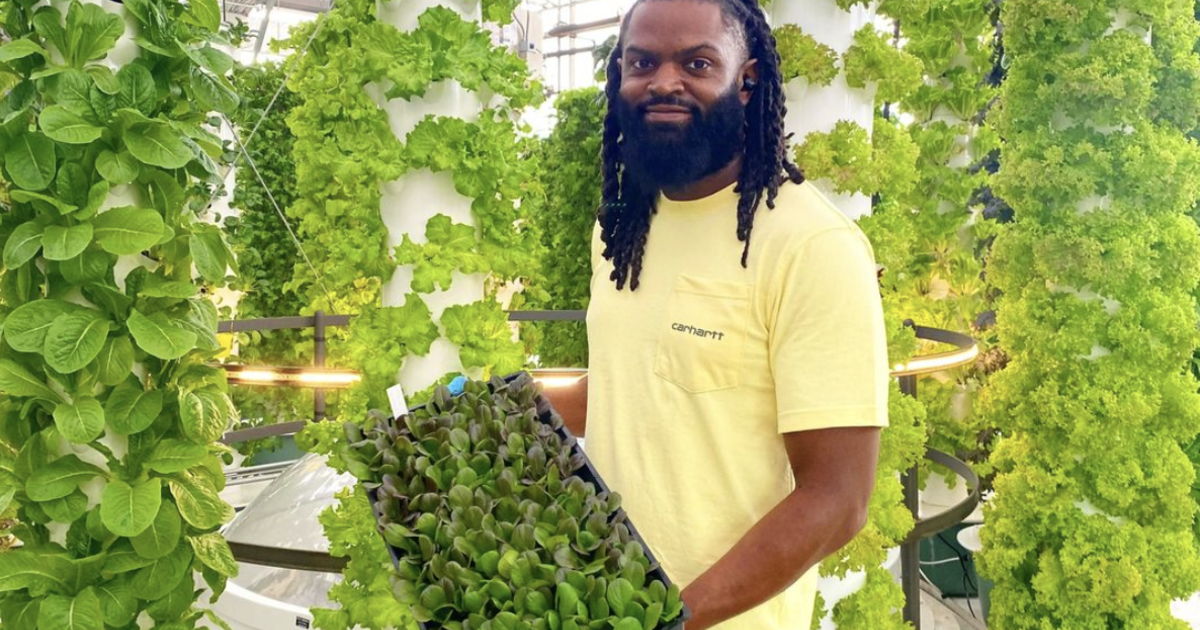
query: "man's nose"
667, 81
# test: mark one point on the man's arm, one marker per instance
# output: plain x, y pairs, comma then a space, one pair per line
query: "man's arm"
571, 403
835, 474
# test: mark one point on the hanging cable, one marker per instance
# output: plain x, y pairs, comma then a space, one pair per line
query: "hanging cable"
287, 76
243, 153
270, 106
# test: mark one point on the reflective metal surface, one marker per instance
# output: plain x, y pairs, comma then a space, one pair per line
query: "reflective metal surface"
285, 516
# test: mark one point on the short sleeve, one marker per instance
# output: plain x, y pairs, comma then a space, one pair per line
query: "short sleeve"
828, 344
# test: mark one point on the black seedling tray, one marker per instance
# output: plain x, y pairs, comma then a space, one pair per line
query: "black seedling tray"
587, 473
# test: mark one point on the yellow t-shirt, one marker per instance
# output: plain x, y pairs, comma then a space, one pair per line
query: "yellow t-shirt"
694, 377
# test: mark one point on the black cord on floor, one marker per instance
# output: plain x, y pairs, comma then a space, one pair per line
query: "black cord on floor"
965, 562
966, 581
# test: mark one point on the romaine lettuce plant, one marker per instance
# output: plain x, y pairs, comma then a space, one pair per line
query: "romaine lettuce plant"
856, 163
109, 412
873, 59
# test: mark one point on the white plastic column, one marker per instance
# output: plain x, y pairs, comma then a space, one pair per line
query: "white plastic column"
122, 54
410, 202
816, 109
125, 51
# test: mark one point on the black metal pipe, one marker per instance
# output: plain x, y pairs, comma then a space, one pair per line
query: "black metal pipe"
258, 433
283, 558
280, 323
934, 523
341, 321
910, 551
319, 362
547, 316
910, 576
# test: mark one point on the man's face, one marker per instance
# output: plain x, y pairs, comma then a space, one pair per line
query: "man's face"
682, 109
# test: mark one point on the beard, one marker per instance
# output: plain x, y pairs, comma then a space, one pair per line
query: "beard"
669, 155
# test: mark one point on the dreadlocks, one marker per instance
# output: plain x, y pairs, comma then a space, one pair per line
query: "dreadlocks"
626, 207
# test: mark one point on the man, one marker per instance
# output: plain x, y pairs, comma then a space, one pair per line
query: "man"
738, 372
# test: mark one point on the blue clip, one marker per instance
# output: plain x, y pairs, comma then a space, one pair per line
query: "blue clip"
456, 386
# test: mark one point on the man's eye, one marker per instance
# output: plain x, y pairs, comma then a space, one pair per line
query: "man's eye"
641, 64
699, 64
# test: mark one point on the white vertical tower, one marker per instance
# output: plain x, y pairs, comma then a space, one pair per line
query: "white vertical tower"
408, 203
816, 109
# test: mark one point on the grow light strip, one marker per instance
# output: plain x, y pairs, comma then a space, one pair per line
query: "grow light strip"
936, 362
555, 378
291, 377
549, 378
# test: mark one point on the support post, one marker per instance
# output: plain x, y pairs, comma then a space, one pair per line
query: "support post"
910, 552
319, 362
262, 30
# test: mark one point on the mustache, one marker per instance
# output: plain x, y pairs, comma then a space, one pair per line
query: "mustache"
669, 101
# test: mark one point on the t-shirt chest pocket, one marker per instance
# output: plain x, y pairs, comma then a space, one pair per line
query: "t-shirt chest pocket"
702, 339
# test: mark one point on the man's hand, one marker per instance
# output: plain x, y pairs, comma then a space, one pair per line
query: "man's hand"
571, 403
835, 474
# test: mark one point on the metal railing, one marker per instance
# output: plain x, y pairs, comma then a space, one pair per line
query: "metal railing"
910, 550
320, 323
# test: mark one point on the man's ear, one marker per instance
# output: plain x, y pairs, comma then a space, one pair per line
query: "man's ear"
748, 81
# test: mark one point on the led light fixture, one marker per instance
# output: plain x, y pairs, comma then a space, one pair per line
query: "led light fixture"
558, 377
313, 378
936, 362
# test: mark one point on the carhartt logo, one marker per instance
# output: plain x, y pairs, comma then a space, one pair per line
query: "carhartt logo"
699, 332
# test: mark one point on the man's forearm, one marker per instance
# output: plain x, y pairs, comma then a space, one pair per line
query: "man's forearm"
801, 531
571, 403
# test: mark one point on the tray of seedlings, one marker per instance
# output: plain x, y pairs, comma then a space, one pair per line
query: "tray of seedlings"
495, 519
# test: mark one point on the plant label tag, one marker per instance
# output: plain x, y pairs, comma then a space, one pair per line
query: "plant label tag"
396, 398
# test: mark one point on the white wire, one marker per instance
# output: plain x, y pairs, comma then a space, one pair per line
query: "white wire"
930, 563
288, 75
270, 105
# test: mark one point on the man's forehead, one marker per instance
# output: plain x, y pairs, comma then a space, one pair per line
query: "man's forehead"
672, 26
